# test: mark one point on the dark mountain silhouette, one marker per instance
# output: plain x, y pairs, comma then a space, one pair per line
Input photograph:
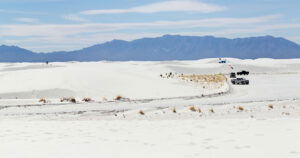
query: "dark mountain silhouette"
168, 47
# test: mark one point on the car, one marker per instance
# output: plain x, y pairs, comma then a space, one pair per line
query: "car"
232, 75
222, 61
240, 81
243, 72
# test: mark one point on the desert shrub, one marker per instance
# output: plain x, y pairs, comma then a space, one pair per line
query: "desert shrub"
87, 100
141, 112
270, 106
240, 108
63, 99
174, 110
42, 100
71, 99
118, 97
218, 78
211, 110
199, 110
192, 108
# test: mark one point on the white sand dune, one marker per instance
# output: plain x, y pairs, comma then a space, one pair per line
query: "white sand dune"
258, 120
168, 138
94, 79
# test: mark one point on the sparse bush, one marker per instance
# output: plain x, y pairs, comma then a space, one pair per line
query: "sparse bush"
43, 100
270, 106
195, 109
118, 97
212, 110
63, 99
87, 100
174, 110
192, 108
240, 108
218, 78
72, 100
199, 110
141, 112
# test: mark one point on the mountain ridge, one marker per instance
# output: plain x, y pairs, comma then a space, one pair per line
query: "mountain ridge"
167, 47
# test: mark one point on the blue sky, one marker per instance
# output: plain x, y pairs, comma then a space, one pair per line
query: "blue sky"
53, 25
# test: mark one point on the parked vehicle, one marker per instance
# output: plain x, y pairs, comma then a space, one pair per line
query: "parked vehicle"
240, 81
222, 61
232, 75
243, 72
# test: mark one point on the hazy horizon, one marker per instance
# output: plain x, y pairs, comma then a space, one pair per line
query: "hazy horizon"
139, 39
55, 25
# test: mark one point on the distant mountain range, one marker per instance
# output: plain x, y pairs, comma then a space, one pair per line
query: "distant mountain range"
168, 47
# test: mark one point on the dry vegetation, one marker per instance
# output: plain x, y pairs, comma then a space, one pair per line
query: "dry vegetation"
119, 98
240, 108
87, 100
195, 109
70, 99
141, 112
174, 110
192, 108
270, 106
218, 78
197, 78
168, 75
43, 100
63, 99
199, 110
